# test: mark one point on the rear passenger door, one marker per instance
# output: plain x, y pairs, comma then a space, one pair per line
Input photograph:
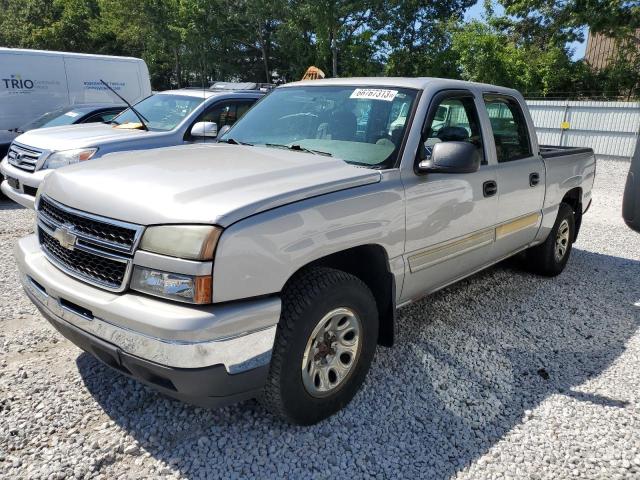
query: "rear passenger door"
520, 175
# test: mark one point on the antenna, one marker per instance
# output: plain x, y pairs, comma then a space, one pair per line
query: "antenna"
139, 115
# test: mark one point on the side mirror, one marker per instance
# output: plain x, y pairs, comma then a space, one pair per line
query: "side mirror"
451, 157
223, 130
204, 129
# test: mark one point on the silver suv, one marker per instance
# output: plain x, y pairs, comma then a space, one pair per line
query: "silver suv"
174, 117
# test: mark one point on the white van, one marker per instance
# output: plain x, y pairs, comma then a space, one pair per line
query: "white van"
33, 82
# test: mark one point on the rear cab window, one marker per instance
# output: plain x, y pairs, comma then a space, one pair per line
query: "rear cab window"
509, 126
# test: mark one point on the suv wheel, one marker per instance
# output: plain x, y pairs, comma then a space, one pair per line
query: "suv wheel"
324, 346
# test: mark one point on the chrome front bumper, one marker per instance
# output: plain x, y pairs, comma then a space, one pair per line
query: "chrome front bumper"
239, 336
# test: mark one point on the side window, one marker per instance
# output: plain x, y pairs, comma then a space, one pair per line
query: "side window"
242, 109
226, 113
509, 127
222, 114
101, 117
455, 119
108, 116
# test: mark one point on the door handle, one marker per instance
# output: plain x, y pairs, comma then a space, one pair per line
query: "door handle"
534, 179
489, 188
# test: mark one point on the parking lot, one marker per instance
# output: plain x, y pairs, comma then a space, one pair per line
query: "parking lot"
504, 375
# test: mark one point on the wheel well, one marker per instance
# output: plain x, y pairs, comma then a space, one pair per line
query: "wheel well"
573, 198
370, 264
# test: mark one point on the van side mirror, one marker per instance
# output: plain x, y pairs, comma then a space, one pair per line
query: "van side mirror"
451, 157
204, 129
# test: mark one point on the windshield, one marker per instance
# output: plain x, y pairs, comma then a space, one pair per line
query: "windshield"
160, 112
361, 125
56, 118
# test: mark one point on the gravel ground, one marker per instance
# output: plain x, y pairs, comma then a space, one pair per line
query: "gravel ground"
505, 375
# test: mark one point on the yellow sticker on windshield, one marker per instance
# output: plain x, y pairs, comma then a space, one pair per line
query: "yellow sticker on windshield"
374, 94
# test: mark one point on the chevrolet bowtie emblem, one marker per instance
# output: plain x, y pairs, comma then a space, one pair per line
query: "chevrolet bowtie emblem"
65, 238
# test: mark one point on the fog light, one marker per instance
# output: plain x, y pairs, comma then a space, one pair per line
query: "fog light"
173, 286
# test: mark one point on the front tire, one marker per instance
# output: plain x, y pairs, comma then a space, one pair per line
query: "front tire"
324, 345
550, 258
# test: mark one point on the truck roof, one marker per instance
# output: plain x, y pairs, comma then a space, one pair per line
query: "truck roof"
66, 54
403, 82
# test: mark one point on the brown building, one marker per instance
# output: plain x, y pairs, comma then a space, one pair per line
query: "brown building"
601, 50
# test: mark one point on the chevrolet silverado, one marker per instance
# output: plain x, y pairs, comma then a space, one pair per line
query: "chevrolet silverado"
271, 264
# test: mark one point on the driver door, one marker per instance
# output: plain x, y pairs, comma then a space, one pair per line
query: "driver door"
449, 216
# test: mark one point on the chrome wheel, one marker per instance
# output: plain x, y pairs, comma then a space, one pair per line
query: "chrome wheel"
332, 352
562, 240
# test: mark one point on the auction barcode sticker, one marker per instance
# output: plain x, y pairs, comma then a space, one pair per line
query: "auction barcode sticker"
375, 94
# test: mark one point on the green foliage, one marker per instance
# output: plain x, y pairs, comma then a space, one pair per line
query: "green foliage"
563, 17
195, 42
489, 56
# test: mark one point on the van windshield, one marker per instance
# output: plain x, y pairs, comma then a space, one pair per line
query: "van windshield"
161, 112
360, 125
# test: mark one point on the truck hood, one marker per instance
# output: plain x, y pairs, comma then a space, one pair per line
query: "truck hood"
76, 136
210, 184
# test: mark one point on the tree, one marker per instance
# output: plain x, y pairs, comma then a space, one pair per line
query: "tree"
544, 22
417, 35
57, 24
337, 26
489, 56
565, 17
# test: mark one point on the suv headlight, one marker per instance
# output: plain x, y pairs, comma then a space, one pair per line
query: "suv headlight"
68, 157
191, 242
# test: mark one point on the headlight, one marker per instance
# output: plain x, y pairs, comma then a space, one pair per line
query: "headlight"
68, 157
173, 286
192, 242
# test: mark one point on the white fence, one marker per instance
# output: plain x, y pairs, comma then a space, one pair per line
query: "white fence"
610, 128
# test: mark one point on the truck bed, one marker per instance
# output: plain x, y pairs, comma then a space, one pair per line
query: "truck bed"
550, 151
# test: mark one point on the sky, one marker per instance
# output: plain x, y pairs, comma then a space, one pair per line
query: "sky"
477, 11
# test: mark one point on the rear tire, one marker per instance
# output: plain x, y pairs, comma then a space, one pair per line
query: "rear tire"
324, 345
550, 258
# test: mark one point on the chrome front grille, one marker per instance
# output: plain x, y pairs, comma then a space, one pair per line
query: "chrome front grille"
94, 249
110, 235
107, 272
24, 158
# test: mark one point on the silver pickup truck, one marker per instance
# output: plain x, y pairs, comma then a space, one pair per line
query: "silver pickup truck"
271, 264
174, 117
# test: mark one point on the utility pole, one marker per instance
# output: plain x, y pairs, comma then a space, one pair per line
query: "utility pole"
334, 55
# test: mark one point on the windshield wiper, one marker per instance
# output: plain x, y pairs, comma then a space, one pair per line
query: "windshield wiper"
233, 141
138, 114
299, 148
